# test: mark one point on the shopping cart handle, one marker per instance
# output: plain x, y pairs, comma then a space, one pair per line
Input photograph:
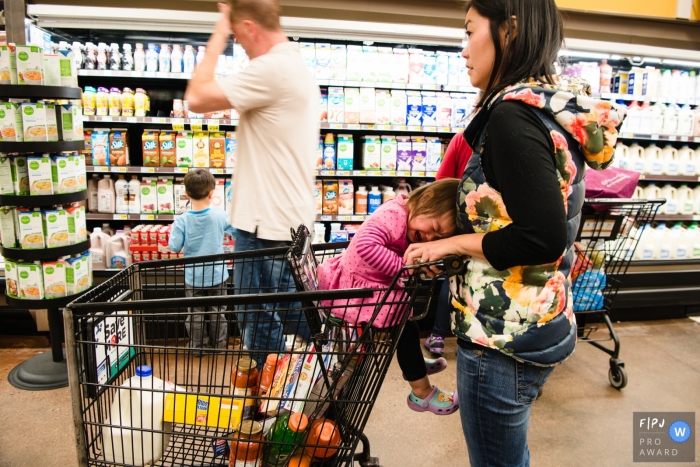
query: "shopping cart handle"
452, 265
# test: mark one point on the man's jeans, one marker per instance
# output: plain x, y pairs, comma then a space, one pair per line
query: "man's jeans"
265, 330
495, 394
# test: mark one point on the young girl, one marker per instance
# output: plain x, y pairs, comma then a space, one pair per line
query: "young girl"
373, 258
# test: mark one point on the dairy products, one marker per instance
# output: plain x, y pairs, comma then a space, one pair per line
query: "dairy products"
404, 154
338, 62
336, 105
382, 107
346, 197
166, 196
231, 148
352, 105
399, 104
151, 148
149, 196
414, 108
323, 61
183, 150
100, 147
318, 197
429, 108
346, 150
77, 227
119, 147
71, 118
200, 145
354, 63
388, 153
330, 197
371, 154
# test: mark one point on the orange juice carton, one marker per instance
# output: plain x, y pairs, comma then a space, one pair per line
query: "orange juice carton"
11, 278
56, 228
352, 105
318, 196
63, 174
330, 197
383, 107
119, 147
433, 155
151, 148
404, 153
218, 200
8, 227
429, 108
168, 153
77, 228
180, 196
11, 124
231, 148
399, 103
71, 118
8, 64
100, 147
414, 108
368, 105
200, 151
6, 176
371, 154
149, 196
31, 281
336, 105
400, 65
31, 229
354, 54
34, 121
444, 109
346, 197
183, 151
20, 175
40, 175
370, 63
388, 150
55, 285
217, 149
30, 65
339, 62
419, 147
166, 197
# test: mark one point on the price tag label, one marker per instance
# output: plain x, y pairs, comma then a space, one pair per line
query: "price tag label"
430, 174
401, 128
384, 127
405, 174
213, 125
326, 218
147, 217
419, 174
357, 218
672, 138
359, 173
414, 128
131, 119
368, 127
216, 171
354, 126
229, 171
316, 172
120, 217
446, 129
336, 126
372, 173
101, 168
342, 173
107, 73
344, 218
149, 74
119, 169
181, 170
148, 170
196, 124
162, 74
652, 136
684, 138
178, 124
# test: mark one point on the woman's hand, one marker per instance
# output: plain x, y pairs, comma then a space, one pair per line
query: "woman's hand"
460, 245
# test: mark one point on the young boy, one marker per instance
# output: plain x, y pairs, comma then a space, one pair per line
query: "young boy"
201, 232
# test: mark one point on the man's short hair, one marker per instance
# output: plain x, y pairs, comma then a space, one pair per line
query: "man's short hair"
264, 13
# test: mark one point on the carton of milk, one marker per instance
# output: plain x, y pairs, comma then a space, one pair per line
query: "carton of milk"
352, 105
336, 105
31, 229
231, 148
218, 199
429, 108
464, 79
56, 228
442, 67
346, 151
454, 68
459, 110
339, 65
419, 147
368, 106
371, 153
31, 281
354, 62
166, 196
183, 149
416, 66
414, 108
308, 54
404, 153
52, 70
40, 175
383, 107
6, 175
8, 228
323, 61
385, 63
8, 64
318, 196
149, 196
77, 275
433, 157
429, 67
11, 124
346, 197
388, 159
444, 109
399, 67
55, 285
34, 121
71, 122
370, 63
399, 105
180, 195
63, 174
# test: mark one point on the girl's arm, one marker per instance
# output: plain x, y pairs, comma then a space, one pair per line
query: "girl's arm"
372, 248
460, 245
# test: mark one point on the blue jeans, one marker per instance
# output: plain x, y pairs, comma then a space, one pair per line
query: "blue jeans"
264, 330
443, 326
495, 394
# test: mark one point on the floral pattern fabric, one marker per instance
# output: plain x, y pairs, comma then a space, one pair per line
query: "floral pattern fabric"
527, 311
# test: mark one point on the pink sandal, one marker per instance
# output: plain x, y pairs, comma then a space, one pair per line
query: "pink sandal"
437, 402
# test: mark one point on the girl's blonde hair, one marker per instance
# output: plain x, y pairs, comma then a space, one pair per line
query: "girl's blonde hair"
435, 199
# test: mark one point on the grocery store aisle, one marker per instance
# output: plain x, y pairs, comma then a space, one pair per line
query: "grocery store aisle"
579, 421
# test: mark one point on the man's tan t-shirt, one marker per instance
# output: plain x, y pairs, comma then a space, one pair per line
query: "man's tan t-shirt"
278, 131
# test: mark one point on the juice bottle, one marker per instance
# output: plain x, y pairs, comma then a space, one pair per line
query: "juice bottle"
200, 54
287, 429
92, 193
127, 102
102, 102
164, 59
176, 59
244, 384
128, 59
89, 100
102, 56
323, 432
329, 152
361, 201
188, 59
140, 103
246, 450
139, 58
114, 102
375, 200
268, 373
151, 58
115, 58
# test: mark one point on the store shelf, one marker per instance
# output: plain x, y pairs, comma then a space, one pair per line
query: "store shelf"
676, 217
670, 138
666, 262
129, 217
670, 178
14, 91
152, 170
46, 253
373, 173
336, 218
134, 74
42, 146
41, 304
630, 97
162, 120
393, 128
38, 201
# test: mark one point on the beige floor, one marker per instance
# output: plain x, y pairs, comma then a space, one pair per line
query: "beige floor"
579, 421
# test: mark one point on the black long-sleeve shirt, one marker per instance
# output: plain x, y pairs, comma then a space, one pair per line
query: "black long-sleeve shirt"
518, 162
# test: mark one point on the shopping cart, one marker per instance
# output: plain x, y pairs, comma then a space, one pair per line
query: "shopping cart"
608, 235
327, 369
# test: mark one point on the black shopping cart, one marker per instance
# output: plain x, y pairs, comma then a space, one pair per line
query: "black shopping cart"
142, 394
608, 235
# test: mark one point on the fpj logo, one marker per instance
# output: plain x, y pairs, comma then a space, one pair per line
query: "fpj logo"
664, 437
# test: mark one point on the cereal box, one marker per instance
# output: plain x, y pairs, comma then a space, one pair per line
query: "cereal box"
31, 281
330, 197
399, 70
180, 195
318, 196
77, 228
8, 64
388, 157
352, 105
383, 107
166, 197
11, 278
168, 152
371, 154
71, 118
346, 151
100, 147
338, 62
80, 177
20, 175
231, 148
63, 174
200, 148
218, 199
429, 108
30, 65
414, 108
40, 175
398, 107
404, 153
151, 148
55, 285
56, 228
336, 105
119, 147
8, 229
419, 147
52, 70
183, 152
31, 229
149, 196
11, 128
346, 197
368, 106
34, 121
217, 149
6, 178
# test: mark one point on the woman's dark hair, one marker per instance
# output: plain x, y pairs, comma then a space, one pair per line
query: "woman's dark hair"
533, 51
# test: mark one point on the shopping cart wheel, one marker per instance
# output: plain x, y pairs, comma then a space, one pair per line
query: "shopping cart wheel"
617, 374
371, 462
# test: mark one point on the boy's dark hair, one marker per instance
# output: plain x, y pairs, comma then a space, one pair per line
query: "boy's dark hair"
199, 183
531, 51
434, 199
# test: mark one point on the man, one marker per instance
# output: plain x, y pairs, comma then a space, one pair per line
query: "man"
278, 131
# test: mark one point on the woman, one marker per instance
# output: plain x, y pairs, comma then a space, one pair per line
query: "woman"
518, 213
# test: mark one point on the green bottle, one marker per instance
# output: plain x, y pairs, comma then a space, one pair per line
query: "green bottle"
288, 429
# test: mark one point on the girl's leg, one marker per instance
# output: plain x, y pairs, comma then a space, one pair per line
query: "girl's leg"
501, 391
435, 343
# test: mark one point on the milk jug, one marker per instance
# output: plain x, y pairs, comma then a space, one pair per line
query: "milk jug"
404, 188
319, 233
647, 119
686, 118
670, 120
686, 200
638, 193
694, 239
663, 246
635, 158
676, 237
652, 191
671, 195
670, 160
653, 160
634, 118
686, 161
697, 160
92, 193
645, 249
621, 156
105, 195
118, 255
98, 245
696, 196
657, 123
696, 118
121, 189
137, 406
